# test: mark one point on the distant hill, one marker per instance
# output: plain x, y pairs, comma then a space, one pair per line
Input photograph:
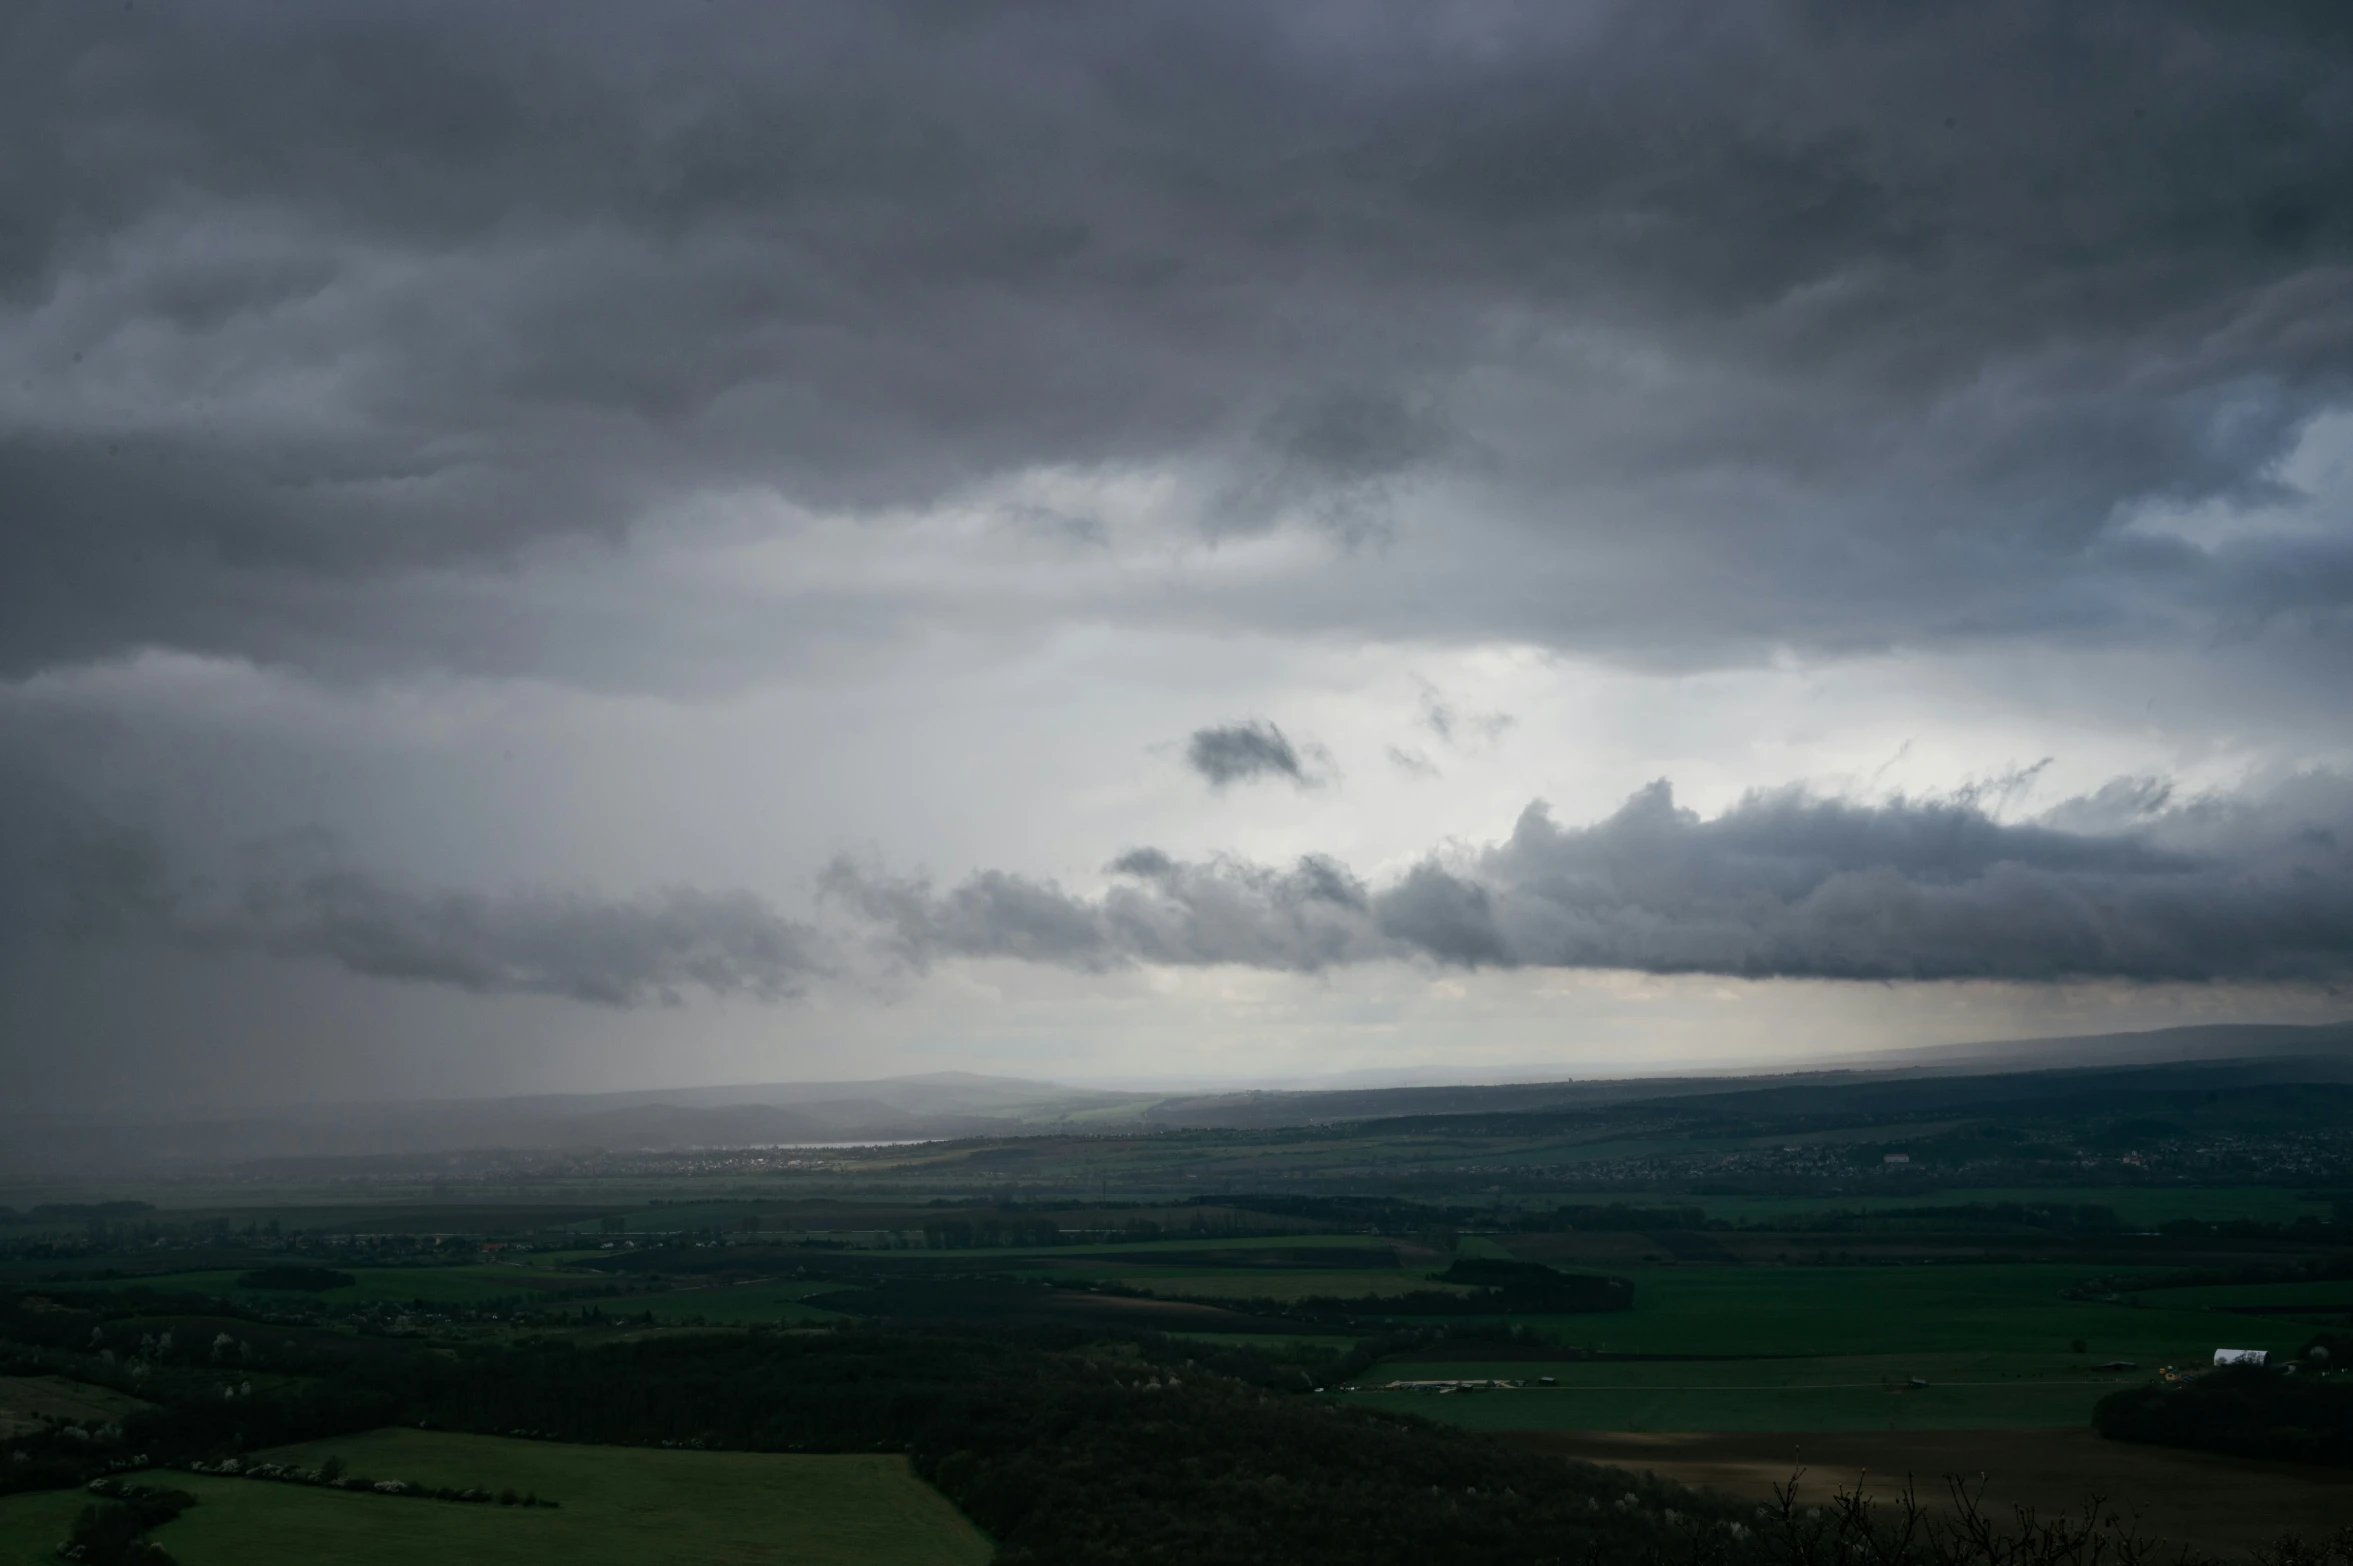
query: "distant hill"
2159, 1046
2323, 1053
963, 1104
940, 1104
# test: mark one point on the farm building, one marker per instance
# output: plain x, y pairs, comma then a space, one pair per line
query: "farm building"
2241, 1356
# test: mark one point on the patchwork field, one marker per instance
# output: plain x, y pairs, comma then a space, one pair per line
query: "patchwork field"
626, 1506
2140, 1207
787, 1303
1831, 1349
2220, 1504
1874, 1392
476, 1286
2320, 1301
28, 1402
1943, 1309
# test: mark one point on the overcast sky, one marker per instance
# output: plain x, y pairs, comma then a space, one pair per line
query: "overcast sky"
611, 545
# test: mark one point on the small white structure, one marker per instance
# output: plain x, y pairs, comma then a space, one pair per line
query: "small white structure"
2241, 1356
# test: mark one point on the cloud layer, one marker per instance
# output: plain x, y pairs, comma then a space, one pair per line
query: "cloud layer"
2125, 885
1784, 885
115, 886
1658, 330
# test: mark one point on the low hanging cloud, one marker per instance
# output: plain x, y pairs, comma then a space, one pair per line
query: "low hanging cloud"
2127, 884
1783, 885
1246, 752
617, 952
605, 952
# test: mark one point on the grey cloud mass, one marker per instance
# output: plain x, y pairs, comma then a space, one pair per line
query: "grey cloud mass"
1784, 885
1243, 752
2126, 884
647, 448
116, 885
608, 953
1717, 329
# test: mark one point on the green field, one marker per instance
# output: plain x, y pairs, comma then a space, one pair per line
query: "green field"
2321, 1298
470, 1285
1993, 1341
1947, 1308
626, 1506
1275, 1285
1836, 1392
32, 1526
2139, 1207
1143, 1251
741, 1305
24, 1400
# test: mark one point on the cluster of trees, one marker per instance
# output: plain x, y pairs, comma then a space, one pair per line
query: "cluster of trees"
962, 1234
332, 1475
2334, 1268
2289, 1413
113, 1530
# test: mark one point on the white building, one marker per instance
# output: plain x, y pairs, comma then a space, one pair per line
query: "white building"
2241, 1356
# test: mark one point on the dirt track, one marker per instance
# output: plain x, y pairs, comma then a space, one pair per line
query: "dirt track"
2223, 1504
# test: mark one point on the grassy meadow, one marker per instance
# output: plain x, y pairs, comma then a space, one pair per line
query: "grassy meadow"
743, 1304
1833, 1392
468, 1286
2136, 1207
26, 1402
33, 1524
625, 1506
1957, 1308
1838, 1348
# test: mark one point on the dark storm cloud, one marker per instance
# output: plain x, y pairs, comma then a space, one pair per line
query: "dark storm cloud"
607, 953
1310, 916
1243, 752
1784, 885
1728, 326
2128, 884
102, 882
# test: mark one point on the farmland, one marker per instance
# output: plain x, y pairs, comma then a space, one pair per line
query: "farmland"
2224, 1504
28, 1402
1827, 1392
618, 1505
1751, 1269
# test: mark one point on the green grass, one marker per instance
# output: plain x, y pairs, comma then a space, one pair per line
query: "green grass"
468, 1285
2324, 1293
33, 1526
685, 1218
745, 1303
1949, 1309
1993, 1341
624, 1506
2140, 1207
1272, 1284
1861, 1392
1094, 1254
1279, 1344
